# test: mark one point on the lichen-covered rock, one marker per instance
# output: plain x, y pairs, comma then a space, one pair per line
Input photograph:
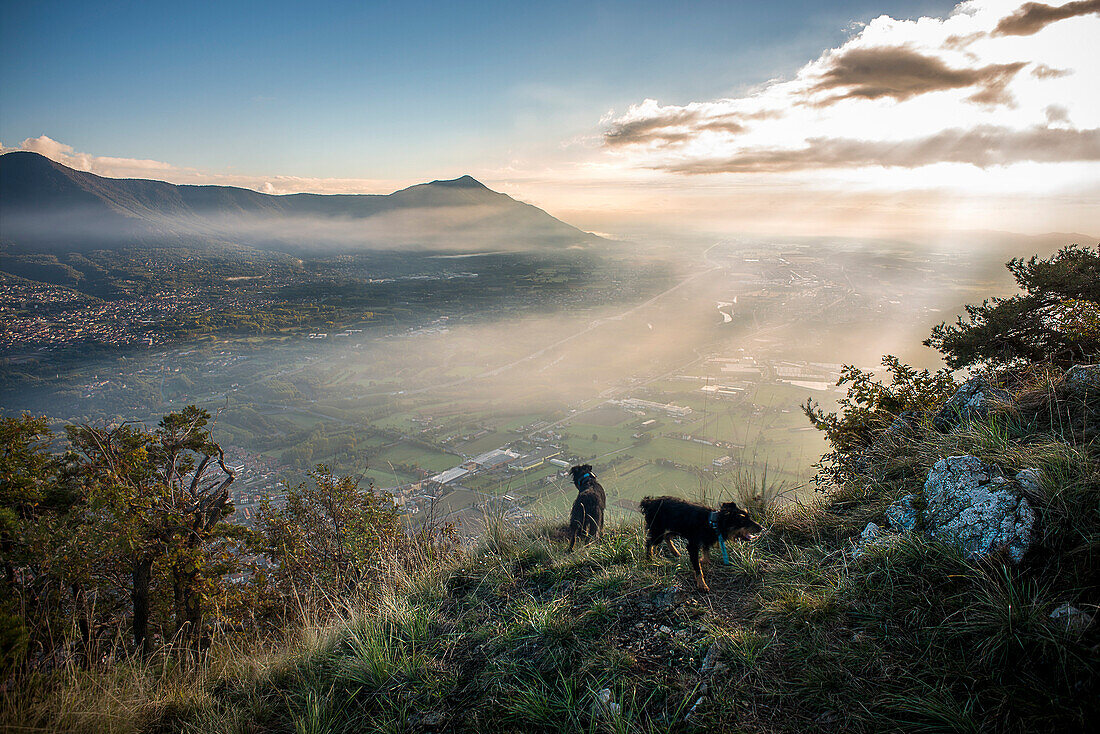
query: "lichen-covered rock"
975, 398
872, 535
902, 515
1030, 480
1083, 380
970, 506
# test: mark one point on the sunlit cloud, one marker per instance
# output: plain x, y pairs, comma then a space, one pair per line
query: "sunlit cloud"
898, 93
115, 167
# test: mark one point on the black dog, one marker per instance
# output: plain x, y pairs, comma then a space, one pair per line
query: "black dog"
697, 524
586, 519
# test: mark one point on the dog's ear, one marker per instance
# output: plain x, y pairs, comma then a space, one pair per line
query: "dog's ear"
730, 508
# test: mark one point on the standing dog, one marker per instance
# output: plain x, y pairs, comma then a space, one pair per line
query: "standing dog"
586, 519
699, 525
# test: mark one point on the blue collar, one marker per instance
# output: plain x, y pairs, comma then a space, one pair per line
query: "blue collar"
721, 540
584, 476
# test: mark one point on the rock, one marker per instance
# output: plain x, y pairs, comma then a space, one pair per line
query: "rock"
974, 399
694, 706
1030, 480
710, 659
968, 505
872, 535
1083, 379
605, 705
666, 599
1071, 618
665, 629
902, 515
905, 425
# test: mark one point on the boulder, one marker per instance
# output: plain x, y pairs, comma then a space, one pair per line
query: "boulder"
974, 399
969, 505
902, 515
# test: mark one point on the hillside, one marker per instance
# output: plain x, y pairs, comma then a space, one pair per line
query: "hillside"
51, 208
819, 625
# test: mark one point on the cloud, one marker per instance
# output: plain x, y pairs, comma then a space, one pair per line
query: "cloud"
1056, 113
103, 165
901, 73
649, 123
1030, 18
114, 167
1042, 71
983, 147
896, 94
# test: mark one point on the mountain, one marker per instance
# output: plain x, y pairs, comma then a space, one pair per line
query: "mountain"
49, 207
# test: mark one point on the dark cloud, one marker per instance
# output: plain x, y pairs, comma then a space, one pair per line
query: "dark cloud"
900, 73
1042, 71
649, 129
677, 126
984, 146
1031, 18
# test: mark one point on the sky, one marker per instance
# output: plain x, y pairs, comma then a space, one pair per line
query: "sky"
838, 118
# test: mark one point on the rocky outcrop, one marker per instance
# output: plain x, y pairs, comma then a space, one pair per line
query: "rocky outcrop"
969, 505
974, 399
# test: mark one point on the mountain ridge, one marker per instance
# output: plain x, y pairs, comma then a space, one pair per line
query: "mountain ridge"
49, 207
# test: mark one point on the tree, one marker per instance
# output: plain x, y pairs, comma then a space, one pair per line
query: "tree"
870, 407
329, 534
156, 497
1056, 319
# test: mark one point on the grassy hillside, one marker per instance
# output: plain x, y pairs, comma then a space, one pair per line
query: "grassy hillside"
796, 635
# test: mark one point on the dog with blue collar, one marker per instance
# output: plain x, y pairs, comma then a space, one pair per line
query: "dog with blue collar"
699, 525
586, 517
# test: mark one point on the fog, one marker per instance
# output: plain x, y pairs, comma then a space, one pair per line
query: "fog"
653, 381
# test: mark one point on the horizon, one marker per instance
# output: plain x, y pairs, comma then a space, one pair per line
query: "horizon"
892, 120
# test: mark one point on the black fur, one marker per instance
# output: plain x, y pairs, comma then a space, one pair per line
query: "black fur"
586, 519
671, 516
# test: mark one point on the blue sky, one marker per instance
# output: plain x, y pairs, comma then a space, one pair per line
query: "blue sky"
381, 90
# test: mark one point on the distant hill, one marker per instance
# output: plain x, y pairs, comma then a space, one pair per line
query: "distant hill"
49, 207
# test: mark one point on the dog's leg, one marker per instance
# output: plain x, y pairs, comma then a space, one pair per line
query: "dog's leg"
650, 541
572, 538
693, 554
672, 548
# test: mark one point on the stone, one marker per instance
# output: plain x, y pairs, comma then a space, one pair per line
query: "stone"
666, 599
902, 516
710, 659
605, 705
904, 425
1071, 618
975, 398
872, 535
1083, 379
968, 505
1030, 480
